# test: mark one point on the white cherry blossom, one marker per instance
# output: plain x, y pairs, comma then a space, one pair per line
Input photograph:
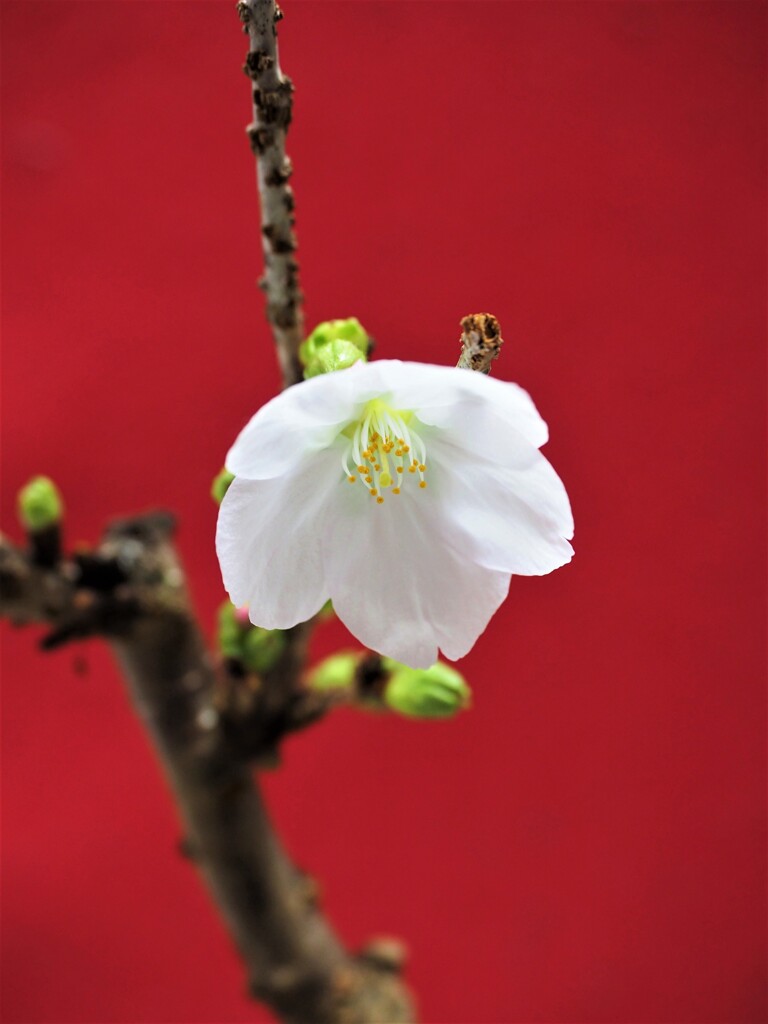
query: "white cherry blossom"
408, 494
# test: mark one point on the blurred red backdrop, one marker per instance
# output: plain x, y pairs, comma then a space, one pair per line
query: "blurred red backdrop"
588, 844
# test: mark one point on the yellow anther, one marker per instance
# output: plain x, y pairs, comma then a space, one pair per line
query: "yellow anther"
422, 467
399, 469
406, 447
379, 501
351, 479
415, 463
374, 492
395, 490
423, 483
361, 469
377, 467
369, 479
411, 469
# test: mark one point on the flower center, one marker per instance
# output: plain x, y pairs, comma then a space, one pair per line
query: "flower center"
383, 451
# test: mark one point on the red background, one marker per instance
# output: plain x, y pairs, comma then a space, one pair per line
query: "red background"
588, 843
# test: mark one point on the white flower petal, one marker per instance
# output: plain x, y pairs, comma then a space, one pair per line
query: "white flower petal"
268, 541
435, 391
512, 518
302, 419
308, 416
479, 437
398, 586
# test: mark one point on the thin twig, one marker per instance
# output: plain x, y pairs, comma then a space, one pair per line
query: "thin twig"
272, 110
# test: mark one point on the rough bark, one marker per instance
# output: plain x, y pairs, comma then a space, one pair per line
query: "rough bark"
272, 95
131, 590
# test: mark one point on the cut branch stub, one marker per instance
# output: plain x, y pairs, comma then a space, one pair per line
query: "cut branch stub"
481, 341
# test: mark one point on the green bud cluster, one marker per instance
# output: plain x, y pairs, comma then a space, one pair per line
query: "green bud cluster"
220, 485
40, 504
334, 345
436, 692
257, 648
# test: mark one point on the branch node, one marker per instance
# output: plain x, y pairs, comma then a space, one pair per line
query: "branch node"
256, 62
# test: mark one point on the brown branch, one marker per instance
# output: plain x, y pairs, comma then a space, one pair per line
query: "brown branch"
132, 591
210, 727
272, 110
481, 342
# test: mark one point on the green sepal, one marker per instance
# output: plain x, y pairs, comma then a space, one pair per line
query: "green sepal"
40, 504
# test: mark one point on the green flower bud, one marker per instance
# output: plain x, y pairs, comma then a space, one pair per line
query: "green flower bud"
336, 355
40, 504
262, 647
335, 673
256, 647
220, 485
353, 331
230, 631
436, 692
350, 330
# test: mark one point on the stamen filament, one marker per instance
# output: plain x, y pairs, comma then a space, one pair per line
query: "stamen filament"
382, 431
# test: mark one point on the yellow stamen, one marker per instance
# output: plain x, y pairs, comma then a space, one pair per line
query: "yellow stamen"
381, 432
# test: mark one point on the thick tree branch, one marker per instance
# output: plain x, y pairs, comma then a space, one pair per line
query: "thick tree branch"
272, 109
132, 591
